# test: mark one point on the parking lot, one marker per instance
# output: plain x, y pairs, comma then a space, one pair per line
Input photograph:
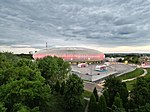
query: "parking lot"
89, 73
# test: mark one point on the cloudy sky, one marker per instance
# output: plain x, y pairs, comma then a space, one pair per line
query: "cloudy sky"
106, 25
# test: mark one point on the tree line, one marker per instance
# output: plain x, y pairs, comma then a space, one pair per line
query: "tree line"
116, 98
45, 85
38, 86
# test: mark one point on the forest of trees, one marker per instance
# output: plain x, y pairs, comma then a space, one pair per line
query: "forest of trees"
116, 98
38, 86
45, 85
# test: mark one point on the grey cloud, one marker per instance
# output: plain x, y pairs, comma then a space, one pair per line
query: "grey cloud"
124, 21
126, 30
68, 22
20, 46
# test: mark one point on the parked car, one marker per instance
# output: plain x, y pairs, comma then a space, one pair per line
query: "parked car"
87, 74
100, 67
82, 65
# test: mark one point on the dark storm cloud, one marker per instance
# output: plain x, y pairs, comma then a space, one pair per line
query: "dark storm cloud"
69, 22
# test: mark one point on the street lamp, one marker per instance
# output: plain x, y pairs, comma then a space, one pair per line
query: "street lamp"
89, 60
90, 65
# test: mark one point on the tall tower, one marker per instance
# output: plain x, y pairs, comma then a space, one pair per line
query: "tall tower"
46, 45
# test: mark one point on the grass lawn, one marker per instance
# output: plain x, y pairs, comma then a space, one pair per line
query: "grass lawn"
135, 73
131, 83
87, 94
148, 73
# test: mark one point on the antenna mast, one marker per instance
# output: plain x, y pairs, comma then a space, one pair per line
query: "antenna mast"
46, 45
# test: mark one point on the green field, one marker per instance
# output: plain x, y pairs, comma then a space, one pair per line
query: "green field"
148, 73
87, 94
135, 73
131, 83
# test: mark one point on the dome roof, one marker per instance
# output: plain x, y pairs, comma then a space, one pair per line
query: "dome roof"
68, 50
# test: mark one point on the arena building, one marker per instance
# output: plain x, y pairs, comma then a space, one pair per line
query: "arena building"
72, 54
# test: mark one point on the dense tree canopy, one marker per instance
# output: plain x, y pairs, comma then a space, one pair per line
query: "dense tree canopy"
106, 95
42, 86
114, 85
92, 104
102, 106
96, 94
118, 101
2, 108
73, 94
53, 69
22, 84
141, 92
24, 89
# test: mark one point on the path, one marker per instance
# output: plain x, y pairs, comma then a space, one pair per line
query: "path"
145, 72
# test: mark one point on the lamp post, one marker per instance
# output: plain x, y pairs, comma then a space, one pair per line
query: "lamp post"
115, 64
89, 59
90, 65
71, 60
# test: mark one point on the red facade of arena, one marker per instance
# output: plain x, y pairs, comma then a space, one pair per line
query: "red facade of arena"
71, 54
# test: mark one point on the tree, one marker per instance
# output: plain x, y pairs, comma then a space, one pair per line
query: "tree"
19, 107
115, 109
5, 63
48, 68
95, 94
2, 108
145, 108
114, 85
118, 101
26, 62
92, 107
62, 89
18, 70
25, 86
53, 69
17, 73
140, 94
120, 60
57, 87
73, 94
117, 105
105, 93
29, 93
102, 106
23, 89
124, 94
63, 68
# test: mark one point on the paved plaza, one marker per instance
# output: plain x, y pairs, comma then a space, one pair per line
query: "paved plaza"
89, 73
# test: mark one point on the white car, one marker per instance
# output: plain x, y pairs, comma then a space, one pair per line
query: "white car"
101, 67
82, 65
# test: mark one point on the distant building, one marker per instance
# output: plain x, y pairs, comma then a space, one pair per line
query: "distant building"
111, 59
144, 59
31, 52
145, 65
